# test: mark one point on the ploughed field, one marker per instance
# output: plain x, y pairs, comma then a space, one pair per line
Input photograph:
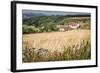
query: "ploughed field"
57, 46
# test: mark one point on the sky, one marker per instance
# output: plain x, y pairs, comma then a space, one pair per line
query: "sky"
52, 12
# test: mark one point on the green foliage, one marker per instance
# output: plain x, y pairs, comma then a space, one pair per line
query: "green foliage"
37, 24
30, 29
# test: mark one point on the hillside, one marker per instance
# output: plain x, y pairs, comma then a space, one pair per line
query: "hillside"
37, 24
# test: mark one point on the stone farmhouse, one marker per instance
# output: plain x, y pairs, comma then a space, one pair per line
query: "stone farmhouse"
71, 25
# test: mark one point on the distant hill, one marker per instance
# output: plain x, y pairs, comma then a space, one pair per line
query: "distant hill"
29, 15
79, 15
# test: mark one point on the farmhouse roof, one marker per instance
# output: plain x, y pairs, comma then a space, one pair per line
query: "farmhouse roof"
72, 23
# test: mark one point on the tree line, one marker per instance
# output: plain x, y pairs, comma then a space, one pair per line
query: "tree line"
38, 24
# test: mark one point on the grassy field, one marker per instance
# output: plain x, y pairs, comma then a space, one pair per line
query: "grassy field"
57, 46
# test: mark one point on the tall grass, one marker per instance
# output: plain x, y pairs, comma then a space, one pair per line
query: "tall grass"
80, 51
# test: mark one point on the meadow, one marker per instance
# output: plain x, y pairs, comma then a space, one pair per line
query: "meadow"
57, 46
50, 36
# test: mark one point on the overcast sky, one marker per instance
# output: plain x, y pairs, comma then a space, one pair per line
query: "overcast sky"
53, 12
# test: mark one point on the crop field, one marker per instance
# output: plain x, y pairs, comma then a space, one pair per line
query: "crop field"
57, 46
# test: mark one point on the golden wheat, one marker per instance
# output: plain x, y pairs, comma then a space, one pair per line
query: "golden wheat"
55, 40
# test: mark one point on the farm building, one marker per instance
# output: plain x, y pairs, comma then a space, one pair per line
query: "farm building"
62, 27
71, 25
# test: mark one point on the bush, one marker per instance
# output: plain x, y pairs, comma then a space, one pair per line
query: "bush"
30, 29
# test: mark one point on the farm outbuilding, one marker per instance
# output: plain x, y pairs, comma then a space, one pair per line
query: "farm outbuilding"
70, 25
63, 28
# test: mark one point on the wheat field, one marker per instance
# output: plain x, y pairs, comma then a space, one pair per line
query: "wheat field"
56, 42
